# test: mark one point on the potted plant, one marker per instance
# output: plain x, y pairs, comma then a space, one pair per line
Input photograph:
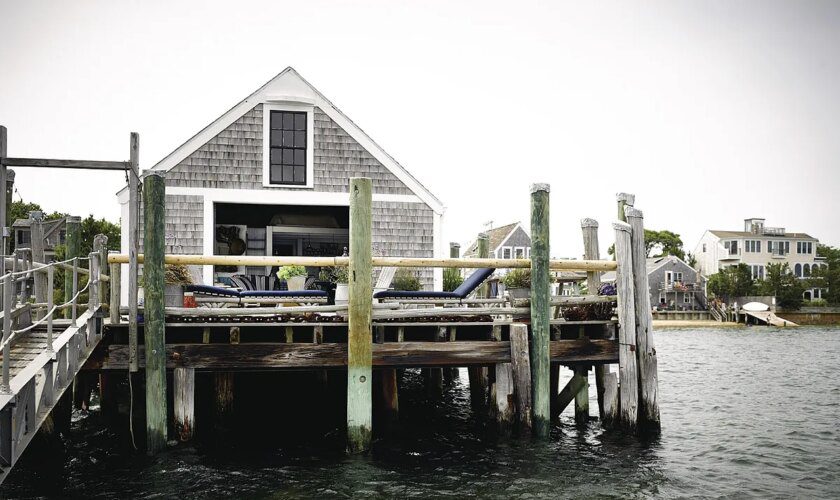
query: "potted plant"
175, 278
294, 276
341, 276
518, 283
406, 280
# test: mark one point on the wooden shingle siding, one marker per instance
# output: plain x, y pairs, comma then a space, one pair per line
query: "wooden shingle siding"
519, 238
404, 230
233, 159
184, 227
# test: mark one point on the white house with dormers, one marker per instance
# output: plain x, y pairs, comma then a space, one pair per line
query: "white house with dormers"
756, 246
271, 176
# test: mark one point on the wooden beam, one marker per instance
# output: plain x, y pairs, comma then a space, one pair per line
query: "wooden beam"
589, 229
154, 205
132, 259
251, 356
75, 164
540, 310
627, 372
359, 323
183, 386
521, 368
567, 395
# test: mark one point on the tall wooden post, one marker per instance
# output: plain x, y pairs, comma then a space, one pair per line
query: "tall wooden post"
183, 386
589, 228
359, 335
116, 291
478, 374
628, 389
3, 177
624, 199
540, 309
100, 246
153, 276
645, 352
483, 249
36, 230
133, 247
72, 244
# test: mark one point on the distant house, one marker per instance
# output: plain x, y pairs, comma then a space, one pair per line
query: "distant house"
673, 284
505, 242
271, 176
54, 234
756, 246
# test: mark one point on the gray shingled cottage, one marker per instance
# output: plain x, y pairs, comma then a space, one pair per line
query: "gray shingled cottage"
270, 177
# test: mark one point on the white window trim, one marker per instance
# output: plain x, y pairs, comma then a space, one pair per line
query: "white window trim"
519, 248
510, 256
310, 143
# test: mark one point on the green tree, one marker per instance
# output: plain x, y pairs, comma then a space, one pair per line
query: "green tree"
90, 227
828, 275
782, 284
659, 243
733, 281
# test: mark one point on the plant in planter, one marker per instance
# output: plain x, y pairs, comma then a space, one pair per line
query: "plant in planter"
406, 280
341, 276
294, 276
452, 279
518, 283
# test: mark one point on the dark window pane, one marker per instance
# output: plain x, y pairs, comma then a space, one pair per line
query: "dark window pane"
288, 139
276, 119
300, 121
300, 174
276, 154
276, 174
288, 121
300, 157
276, 138
288, 173
300, 139
288, 156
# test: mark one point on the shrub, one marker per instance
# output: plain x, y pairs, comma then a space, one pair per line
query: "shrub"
406, 280
177, 274
287, 272
517, 278
815, 303
452, 279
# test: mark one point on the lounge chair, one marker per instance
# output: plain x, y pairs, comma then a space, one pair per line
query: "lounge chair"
232, 296
462, 292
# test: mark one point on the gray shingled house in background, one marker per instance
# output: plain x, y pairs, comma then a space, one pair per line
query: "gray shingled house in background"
673, 284
505, 242
270, 177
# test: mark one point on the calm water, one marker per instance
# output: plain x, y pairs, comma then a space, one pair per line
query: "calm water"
745, 413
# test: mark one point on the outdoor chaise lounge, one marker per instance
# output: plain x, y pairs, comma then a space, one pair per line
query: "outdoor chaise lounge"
462, 292
236, 297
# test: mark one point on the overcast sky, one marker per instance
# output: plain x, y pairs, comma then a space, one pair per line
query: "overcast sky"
710, 112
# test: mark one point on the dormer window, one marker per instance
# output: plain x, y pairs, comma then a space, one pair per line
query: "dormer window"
287, 145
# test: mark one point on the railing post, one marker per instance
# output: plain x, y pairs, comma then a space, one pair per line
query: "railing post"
115, 289
50, 304
645, 352
93, 281
100, 246
589, 228
74, 308
627, 372
359, 338
133, 247
540, 310
36, 227
154, 247
3, 179
71, 250
8, 293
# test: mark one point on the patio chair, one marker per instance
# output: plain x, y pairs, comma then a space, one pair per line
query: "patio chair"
462, 292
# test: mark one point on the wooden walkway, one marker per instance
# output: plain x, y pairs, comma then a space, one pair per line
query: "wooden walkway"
769, 318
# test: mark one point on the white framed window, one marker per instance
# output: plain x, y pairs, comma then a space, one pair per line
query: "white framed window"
678, 276
686, 298
752, 246
757, 272
506, 252
519, 252
288, 145
527, 252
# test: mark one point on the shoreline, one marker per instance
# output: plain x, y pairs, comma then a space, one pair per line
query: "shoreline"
700, 323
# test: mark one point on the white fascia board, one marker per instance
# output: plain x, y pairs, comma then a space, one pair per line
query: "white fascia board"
290, 87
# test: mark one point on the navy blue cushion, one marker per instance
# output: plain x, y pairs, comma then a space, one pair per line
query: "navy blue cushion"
284, 293
475, 279
212, 290
419, 294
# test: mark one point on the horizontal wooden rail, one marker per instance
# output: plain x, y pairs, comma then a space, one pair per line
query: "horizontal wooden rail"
251, 356
258, 260
77, 164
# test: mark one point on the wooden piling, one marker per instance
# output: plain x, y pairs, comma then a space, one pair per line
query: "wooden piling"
589, 228
183, 386
4, 237
100, 246
627, 371
582, 395
133, 246
522, 374
36, 228
645, 351
477, 374
72, 244
568, 394
154, 247
115, 287
359, 337
540, 309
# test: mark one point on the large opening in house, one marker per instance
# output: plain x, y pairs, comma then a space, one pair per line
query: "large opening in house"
280, 230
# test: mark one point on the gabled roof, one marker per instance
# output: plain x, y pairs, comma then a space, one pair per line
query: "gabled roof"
651, 264
747, 234
497, 236
289, 86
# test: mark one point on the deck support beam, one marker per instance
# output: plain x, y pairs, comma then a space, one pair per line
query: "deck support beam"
154, 247
540, 310
627, 371
359, 332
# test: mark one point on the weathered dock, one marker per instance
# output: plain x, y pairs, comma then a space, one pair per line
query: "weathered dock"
513, 349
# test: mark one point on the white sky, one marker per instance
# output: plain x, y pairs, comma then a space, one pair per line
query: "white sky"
710, 112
